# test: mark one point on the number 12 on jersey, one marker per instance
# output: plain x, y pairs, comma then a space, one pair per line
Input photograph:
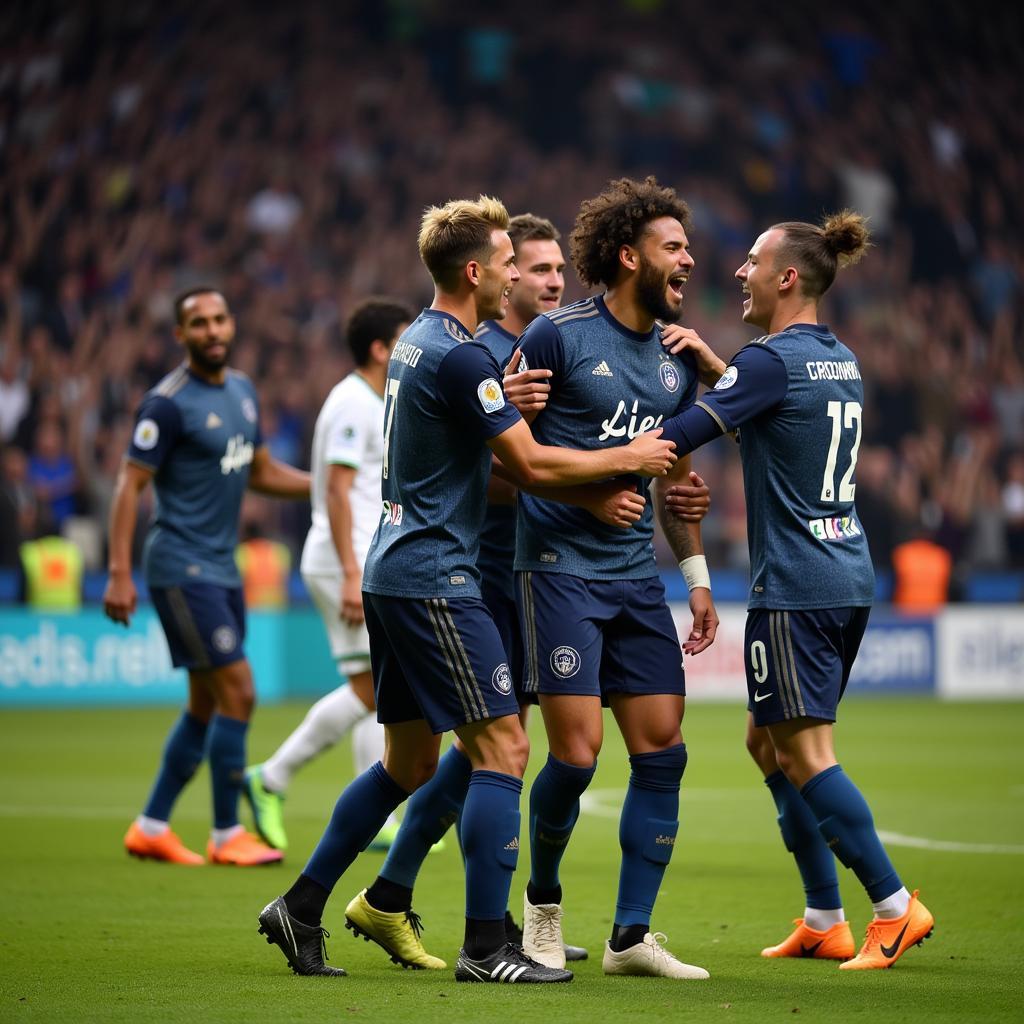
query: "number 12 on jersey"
391, 398
842, 414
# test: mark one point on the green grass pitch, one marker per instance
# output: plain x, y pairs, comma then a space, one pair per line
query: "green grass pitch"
88, 934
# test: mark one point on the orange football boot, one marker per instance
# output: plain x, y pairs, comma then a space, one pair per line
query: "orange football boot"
166, 846
243, 850
888, 939
836, 943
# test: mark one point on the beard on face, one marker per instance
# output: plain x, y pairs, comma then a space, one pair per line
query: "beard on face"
651, 286
203, 361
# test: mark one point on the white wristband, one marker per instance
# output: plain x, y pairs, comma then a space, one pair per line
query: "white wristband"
695, 572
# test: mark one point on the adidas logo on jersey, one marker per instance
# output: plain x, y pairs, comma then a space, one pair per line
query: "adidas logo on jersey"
602, 370
514, 845
213, 421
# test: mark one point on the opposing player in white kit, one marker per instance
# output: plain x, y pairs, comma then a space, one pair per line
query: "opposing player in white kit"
346, 469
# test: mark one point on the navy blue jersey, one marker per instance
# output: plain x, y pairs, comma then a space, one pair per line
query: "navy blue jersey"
199, 439
797, 397
608, 384
444, 401
498, 538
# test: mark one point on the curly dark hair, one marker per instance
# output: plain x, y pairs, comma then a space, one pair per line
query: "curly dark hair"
618, 217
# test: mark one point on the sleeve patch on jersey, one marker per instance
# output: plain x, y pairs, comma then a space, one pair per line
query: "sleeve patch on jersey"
492, 398
727, 379
147, 433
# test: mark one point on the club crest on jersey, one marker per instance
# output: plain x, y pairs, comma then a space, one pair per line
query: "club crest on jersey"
147, 433
727, 379
237, 455
565, 661
492, 398
502, 679
669, 377
224, 639
249, 409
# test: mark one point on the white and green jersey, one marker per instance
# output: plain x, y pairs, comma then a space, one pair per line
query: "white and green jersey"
349, 432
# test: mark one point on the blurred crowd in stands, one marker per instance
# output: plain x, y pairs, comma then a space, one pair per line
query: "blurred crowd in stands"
284, 153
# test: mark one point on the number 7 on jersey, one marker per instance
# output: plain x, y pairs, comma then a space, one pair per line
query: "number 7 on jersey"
391, 397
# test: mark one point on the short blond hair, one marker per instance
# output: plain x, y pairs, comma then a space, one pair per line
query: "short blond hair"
460, 231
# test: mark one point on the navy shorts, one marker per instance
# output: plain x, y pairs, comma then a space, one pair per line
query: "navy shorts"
506, 621
597, 637
437, 660
204, 623
798, 662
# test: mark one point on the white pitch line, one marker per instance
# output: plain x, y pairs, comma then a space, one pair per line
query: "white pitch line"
945, 845
607, 803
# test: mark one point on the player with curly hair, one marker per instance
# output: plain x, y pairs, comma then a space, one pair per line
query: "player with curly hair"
596, 627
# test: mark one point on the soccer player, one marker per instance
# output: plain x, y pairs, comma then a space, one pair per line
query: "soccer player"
596, 626
383, 911
437, 659
346, 468
796, 395
197, 438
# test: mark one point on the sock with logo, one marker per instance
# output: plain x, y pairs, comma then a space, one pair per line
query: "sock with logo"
490, 831
225, 750
814, 859
554, 808
330, 718
183, 753
845, 822
647, 831
361, 810
431, 811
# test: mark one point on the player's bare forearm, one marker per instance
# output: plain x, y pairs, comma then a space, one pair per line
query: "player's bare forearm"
612, 502
339, 516
124, 511
500, 489
119, 597
535, 465
278, 479
683, 536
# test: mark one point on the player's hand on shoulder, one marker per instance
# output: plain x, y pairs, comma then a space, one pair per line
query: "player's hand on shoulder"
615, 504
677, 338
120, 597
690, 502
705, 622
527, 390
651, 456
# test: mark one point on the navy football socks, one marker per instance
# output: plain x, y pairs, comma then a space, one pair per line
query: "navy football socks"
431, 811
183, 753
225, 750
358, 816
845, 822
554, 808
490, 832
647, 831
800, 833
